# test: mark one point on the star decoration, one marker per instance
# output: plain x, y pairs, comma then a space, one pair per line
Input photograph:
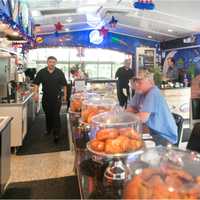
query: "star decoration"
103, 31
59, 26
113, 22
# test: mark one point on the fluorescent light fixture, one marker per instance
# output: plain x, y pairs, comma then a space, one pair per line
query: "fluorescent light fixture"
170, 30
149, 36
67, 29
87, 9
36, 13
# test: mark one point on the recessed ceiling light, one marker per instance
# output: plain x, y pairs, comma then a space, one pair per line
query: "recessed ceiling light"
170, 30
149, 36
69, 20
35, 13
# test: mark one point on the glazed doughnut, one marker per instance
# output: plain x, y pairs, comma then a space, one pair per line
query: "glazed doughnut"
113, 146
124, 142
107, 133
130, 132
97, 145
134, 144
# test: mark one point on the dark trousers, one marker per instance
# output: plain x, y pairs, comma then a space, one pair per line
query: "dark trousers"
51, 109
121, 96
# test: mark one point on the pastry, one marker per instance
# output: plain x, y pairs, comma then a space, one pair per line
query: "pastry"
97, 145
130, 132
107, 133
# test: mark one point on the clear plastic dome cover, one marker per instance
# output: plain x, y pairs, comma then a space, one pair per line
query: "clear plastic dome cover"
164, 173
94, 106
78, 98
115, 132
115, 118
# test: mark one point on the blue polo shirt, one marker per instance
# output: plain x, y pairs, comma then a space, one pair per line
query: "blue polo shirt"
160, 120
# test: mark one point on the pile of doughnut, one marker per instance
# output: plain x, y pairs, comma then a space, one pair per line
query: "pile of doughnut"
76, 102
168, 182
113, 141
88, 113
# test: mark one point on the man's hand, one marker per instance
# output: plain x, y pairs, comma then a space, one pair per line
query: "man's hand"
36, 97
64, 98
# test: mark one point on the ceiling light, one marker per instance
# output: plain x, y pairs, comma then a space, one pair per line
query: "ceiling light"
170, 30
67, 29
36, 13
149, 36
69, 20
87, 9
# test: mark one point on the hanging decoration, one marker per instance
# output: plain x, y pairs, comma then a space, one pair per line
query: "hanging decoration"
113, 22
59, 26
144, 5
103, 31
119, 41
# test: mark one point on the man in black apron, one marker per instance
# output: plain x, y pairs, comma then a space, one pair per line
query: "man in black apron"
123, 75
52, 80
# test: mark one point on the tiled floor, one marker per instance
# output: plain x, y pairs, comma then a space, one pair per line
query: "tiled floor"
41, 166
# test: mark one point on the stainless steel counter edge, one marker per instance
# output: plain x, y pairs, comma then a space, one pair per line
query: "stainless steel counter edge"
4, 122
17, 103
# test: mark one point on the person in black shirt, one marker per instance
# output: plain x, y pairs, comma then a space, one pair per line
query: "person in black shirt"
52, 80
123, 75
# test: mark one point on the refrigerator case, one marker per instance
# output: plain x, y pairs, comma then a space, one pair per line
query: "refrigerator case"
7, 73
145, 58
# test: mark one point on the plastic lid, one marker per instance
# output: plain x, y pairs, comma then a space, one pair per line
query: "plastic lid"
99, 101
168, 169
115, 118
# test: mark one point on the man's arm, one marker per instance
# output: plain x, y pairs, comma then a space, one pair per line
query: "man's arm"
143, 116
36, 93
65, 93
131, 109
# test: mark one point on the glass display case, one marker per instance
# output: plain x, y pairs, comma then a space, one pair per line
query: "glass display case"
155, 173
94, 106
164, 173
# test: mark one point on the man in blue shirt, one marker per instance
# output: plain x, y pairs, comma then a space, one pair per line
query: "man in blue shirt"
152, 109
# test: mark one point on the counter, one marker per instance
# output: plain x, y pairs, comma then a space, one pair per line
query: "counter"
18, 103
178, 100
4, 122
21, 111
4, 151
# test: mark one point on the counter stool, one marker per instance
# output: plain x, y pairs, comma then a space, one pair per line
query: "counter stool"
179, 122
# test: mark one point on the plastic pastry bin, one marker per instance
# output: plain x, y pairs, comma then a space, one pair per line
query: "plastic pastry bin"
163, 173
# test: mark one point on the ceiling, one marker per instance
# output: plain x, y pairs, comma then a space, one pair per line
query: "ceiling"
171, 19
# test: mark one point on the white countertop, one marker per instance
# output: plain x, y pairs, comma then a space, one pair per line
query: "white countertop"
4, 122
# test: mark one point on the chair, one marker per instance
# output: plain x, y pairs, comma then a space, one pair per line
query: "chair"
179, 122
